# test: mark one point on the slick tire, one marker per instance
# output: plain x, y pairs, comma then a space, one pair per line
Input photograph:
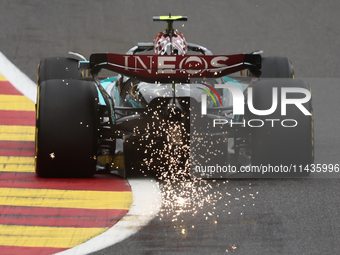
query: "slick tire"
58, 68
66, 128
276, 67
280, 144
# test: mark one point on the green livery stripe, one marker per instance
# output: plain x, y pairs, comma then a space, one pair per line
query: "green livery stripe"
209, 94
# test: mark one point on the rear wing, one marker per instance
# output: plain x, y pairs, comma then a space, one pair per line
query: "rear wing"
177, 68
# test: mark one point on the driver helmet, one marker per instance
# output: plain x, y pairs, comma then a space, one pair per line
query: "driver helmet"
162, 44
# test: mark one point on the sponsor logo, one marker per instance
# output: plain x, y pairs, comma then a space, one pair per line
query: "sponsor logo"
239, 103
238, 100
173, 64
192, 62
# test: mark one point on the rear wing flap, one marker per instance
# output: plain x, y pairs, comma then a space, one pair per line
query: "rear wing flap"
177, 68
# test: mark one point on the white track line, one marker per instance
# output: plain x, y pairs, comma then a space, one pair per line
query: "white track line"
146, 194
17, 78
146, 204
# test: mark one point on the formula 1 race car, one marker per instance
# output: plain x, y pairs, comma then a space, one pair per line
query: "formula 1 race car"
179, 108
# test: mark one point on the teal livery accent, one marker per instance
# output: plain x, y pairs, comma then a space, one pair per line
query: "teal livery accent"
134, 104
105, 83
226, 92
233, 82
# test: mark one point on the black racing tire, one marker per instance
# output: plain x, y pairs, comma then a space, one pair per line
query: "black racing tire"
58, 68
66, 128
276, 67
279, 145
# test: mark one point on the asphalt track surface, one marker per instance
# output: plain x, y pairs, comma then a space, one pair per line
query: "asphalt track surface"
249, 216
